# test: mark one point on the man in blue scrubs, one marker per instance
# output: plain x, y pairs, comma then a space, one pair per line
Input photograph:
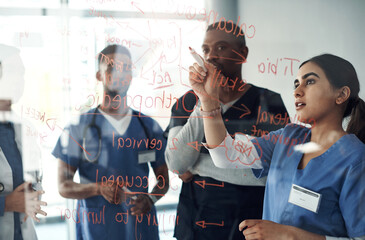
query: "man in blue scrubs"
111, 147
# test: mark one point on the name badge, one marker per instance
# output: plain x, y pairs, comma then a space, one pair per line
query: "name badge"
146, 156
304, 198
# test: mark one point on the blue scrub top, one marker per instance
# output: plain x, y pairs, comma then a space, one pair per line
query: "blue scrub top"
338, 175
115, 221
12, 154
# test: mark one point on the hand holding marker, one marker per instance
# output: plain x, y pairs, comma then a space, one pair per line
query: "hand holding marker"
198, 58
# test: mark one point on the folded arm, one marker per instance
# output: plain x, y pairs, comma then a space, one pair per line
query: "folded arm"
70, 189
67, 188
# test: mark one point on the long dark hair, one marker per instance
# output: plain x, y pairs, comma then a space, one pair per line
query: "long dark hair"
340, 73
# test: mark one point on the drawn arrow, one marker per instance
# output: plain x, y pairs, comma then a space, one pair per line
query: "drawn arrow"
203, 224
143, 73
151, 68
62, 129
203, 184
243, 59
195, 145
245, 110
135, 5
239, 60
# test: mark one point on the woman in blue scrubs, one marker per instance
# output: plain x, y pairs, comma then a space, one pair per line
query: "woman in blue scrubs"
311, 192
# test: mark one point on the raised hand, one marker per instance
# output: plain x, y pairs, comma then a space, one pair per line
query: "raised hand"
202, 82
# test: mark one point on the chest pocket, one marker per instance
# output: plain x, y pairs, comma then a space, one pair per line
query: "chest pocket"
301, 216
328, 208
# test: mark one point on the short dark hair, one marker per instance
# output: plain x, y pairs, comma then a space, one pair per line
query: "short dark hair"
114, 48
219, 26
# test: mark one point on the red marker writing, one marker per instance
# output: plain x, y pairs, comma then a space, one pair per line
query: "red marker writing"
197, 58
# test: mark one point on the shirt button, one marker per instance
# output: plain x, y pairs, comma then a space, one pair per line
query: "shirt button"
2, 188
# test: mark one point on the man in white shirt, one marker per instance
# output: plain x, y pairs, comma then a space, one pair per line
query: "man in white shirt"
222, 198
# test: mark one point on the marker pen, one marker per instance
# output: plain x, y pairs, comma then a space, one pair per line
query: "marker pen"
198, 58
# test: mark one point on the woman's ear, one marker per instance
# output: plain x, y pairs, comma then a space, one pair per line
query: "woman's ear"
98, 76
344, 94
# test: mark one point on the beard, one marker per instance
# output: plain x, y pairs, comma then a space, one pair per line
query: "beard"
111, 93
223, 71
121, 89
113, 103
114, 92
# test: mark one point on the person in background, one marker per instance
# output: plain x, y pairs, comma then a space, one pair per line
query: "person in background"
19, 203
318, 191
210, 194
111, 147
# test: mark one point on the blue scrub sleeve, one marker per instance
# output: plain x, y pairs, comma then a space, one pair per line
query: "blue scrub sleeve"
352, 198
59, 151
68, 146
265, 146
2, 205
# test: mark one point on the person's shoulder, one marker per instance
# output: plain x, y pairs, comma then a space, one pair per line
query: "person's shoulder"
140, 115
185, 104
189, 97
354, 148
85, 116
82, 119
